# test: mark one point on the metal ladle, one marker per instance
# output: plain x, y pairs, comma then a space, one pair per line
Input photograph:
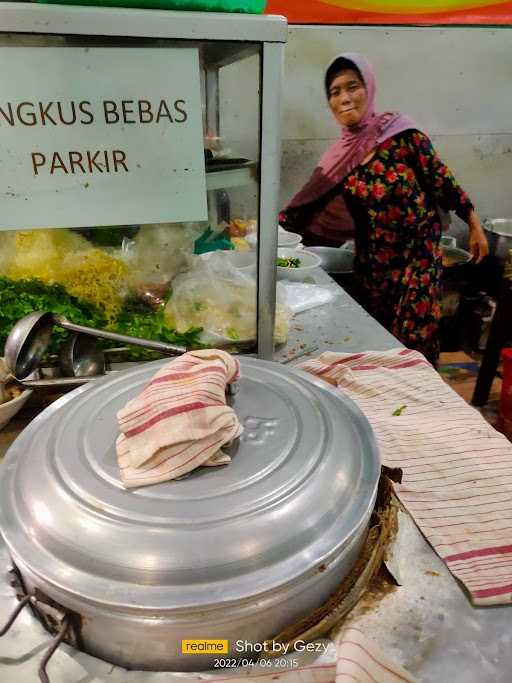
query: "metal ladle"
80, 356
29, 339
82, 360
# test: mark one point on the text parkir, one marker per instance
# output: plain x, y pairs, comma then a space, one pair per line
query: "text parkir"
79, 162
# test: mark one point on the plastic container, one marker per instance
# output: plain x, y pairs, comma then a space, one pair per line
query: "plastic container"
308, 263
505, 413
245, 6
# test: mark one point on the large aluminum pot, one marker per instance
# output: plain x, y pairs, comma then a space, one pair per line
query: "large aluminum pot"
235, 552
499, 235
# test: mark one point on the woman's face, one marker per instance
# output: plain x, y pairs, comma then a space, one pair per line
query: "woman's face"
347, 97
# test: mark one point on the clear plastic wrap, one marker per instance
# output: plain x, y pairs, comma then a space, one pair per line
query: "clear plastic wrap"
155, 256
301, 297
221, 299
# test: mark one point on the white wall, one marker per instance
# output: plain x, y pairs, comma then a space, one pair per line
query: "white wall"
455, 82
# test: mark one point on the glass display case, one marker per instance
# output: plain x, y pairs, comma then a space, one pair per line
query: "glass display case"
140, 175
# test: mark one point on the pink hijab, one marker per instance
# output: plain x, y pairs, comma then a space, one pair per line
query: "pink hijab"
332, 220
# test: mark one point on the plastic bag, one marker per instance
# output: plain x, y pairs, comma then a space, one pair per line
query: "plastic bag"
156, 255
301, 297
221, 299
212, 241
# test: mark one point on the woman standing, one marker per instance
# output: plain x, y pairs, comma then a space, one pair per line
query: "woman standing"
383, 175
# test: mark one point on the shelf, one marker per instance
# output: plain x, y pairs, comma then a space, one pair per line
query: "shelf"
217, 55
233, 177
27, 17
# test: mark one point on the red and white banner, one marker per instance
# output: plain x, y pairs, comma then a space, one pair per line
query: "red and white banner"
408, 12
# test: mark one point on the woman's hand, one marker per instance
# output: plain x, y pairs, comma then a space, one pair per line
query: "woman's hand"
478, 246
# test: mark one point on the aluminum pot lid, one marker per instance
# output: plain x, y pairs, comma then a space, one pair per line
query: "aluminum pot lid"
302, 480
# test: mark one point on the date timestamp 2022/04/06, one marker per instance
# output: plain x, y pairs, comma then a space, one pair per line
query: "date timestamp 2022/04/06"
254, 655
275, 663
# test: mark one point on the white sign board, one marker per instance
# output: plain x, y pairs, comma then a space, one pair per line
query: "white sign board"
100, 136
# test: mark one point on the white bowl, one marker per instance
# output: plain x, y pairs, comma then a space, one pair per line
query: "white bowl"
243, 260
308, 263
287, 239
9, 409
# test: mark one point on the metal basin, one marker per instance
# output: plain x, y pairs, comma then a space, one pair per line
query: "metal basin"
234, 553
499, 234
454, 256
457, 264
334, 260
337, 261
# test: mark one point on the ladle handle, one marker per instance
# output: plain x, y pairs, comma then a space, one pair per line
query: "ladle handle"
167, 349
56, 382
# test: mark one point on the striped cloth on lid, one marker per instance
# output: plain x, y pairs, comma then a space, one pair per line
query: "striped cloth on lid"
180, 421
457, 470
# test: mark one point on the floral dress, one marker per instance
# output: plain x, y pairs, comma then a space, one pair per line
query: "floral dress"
394, 200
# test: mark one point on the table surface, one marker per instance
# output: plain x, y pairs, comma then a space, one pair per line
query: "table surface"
427, 624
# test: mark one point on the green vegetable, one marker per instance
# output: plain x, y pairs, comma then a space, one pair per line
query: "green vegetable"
399, 411
21, 297
291, 262
152, 326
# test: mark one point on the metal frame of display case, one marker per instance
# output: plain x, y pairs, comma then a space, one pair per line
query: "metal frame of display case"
267, 34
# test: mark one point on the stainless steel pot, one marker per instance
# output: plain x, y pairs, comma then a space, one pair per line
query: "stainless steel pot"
232, 553
499, 235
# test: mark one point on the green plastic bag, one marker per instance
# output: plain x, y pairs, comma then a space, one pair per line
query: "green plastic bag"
245, 6
211, 241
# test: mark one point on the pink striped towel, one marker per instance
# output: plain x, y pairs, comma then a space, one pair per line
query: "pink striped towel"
180, 421
457, 470
359, 659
